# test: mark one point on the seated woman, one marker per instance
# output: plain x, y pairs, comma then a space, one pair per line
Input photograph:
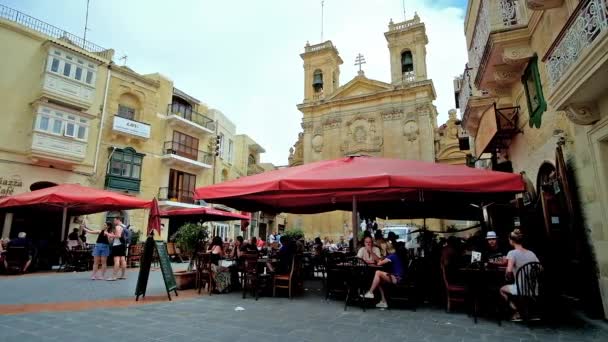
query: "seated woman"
369, 253
396, 274
516, 258
251, 247
221, 275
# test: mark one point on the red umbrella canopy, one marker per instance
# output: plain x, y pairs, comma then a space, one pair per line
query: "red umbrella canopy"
332, 184
78, 199
205, 214
154, 217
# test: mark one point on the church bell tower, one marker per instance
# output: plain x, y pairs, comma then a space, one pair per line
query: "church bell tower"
321, 70
407, 47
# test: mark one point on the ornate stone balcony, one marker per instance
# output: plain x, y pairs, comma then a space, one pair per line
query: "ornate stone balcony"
57, 149
577, 63
472, 103
499, 48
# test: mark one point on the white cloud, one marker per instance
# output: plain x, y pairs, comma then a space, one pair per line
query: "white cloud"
242, 57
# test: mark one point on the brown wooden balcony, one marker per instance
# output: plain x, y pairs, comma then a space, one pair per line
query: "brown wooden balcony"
497, 128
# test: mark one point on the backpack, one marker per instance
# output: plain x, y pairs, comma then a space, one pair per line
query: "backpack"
126, 234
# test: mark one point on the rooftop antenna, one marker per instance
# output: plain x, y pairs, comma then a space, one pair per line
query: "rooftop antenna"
124, 60
322, 8
403, 5
86, 26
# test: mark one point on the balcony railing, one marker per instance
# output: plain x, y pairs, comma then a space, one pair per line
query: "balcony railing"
318, 47
52, 31
404, 25
589, 21
191, 116
176, 195
188, 152
408, 77
494, 15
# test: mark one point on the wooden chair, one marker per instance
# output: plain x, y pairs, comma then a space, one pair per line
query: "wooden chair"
204, 275
454, 293
250, 279
172, 252
135, 253
529, 284
287, 281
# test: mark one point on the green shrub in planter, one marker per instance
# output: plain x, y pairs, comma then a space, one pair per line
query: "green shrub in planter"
187, 238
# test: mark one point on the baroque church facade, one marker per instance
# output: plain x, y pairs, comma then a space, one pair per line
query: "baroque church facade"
369, 117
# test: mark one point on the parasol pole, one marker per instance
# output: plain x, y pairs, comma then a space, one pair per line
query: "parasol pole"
355, 223
63, 225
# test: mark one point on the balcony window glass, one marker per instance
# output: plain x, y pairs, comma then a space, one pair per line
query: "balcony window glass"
55, 65
70, 129
534, 93
126, 112
43, 123
123, 164
78, 73
67, 68
82, 132
185, 145
65, 64
57, 125
89, 77
54, 121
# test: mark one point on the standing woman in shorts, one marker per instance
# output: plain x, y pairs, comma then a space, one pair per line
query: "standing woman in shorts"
118, 251
101, 251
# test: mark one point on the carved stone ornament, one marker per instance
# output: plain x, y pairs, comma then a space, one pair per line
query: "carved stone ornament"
539, 5
317, 143
307, 126
519, 54
410, 130
296, 153
582, 113
332, 123
392, 114
361, 136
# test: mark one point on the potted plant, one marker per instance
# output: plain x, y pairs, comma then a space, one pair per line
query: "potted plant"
187, 238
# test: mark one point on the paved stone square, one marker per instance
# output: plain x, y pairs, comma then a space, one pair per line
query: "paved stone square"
214, 318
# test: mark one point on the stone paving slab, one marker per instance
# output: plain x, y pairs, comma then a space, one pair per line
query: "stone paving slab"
307, 318
213, 318
74, 286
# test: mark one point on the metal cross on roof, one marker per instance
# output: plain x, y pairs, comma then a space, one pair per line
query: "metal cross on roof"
360, 60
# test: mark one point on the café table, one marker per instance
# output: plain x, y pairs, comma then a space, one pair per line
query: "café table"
480, 282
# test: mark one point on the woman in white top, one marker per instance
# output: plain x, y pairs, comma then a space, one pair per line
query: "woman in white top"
516, 258
369, 253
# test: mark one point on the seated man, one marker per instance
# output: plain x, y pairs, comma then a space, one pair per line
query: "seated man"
492, 253
20, 241
285, 256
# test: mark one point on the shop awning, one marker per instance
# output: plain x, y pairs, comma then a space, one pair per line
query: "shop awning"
205, 214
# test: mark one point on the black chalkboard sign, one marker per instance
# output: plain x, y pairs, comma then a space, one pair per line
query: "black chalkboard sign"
146, 263
165, 268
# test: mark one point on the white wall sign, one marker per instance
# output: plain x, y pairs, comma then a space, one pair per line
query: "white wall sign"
131, 127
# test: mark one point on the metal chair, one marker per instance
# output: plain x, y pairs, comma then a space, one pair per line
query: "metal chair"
529, 283
355, 281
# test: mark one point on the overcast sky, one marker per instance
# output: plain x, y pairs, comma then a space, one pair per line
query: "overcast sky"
242, 56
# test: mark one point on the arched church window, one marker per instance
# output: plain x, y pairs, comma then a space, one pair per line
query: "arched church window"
317, 81
407, 62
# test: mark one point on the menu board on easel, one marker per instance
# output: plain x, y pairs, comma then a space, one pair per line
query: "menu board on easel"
146, 263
